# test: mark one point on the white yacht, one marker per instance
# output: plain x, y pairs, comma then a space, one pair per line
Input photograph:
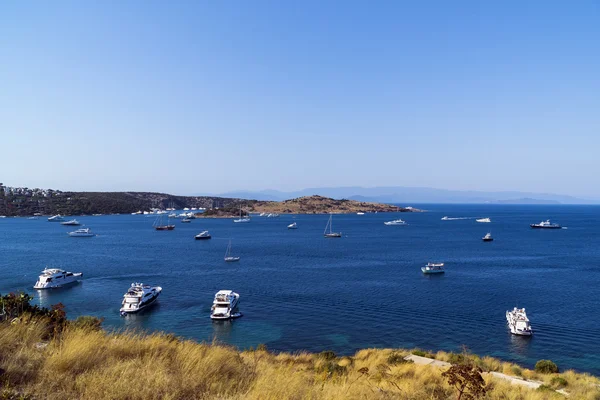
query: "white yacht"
56, 218
228, 256
273, 215
518, 322
445, 218
83, 232
432, 268
72, 222
225, 305
484, 220
396, 222
54, 278
293, 225
360, 213
136, 213
138, 297
545, 225
202, 235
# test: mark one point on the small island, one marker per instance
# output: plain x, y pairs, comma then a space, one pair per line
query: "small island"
301, 205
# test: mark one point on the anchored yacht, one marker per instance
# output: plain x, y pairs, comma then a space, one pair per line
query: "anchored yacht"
396, 222
293, 225
83, 232
225, 305
54, 278
56, 218
483, 220
241, 219
545, 225
228, 255
138, 297
72, 222
488, 237
331, 233
518, 322
432, 268
202, 235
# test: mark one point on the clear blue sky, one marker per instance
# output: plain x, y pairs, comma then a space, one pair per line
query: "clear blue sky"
209, 96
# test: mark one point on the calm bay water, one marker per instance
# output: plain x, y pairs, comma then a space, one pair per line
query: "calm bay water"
300, 291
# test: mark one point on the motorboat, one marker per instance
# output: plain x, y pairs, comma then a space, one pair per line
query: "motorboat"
262, 214
72, 222
395, 222
484, 220
225, 305
360, 213
55, 278
83, 232
202, 235
56, 218
445, 218
273, 215
138, 297
293, 225
186, 221
136, 213
433, 268
331, 233
228, 256
518, 322
488, 237
545, 225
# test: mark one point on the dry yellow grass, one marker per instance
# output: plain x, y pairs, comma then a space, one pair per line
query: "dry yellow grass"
87, 364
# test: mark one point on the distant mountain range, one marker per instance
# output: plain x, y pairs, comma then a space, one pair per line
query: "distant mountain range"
407, 195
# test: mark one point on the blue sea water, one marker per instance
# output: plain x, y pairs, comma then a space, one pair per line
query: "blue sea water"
300, 291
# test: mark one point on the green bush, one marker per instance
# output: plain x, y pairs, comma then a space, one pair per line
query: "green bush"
422, 353
455, 358
558, 382
516, 370
397, 358
546, 367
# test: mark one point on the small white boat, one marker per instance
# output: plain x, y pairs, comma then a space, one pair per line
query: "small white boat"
225, 305
395, 222
484, 220
545, 225
228, 256
360, 213
136, 213
273, 215
72, 222
83, 232
33, 218
433, 268
204, 235
56, 218
138, 297
186, 221
293, 225
262, 214
241, 219
331, 233
488, 237
445, 218
518, 322
54, 278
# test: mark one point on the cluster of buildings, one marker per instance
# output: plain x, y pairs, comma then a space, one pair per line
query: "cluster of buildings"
27, 192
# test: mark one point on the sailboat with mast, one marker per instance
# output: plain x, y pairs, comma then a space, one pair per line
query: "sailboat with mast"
331, 233
228, 256
241, 218
159, 224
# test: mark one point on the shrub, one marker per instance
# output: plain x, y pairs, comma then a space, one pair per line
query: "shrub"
261, 347
327, 355
454, 358
546, 367
422, 353
516, 370
397, 358
558, 382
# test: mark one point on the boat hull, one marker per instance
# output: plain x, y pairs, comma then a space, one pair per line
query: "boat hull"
141, 306
332, 235
534, 226
487, 240
165, 228
232, 259
56, 285
432, 272
202, 237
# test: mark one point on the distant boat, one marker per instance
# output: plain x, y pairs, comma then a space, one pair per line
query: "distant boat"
186, 221
331, 233
484, 220
136, 213
360, 213
518, 322
432, 268
228, 256
56, 218
273, 215
83, 232
445, 219
204, 235
55, 278
395, 222
225, 305
545, 225
293, 225
241, 219
27, 218
72, 222
487, 238
160, 226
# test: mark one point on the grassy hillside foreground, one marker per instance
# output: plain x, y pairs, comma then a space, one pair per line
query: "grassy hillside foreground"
81, 361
